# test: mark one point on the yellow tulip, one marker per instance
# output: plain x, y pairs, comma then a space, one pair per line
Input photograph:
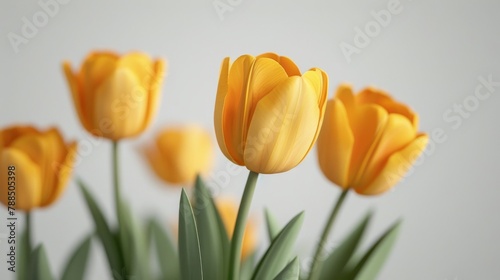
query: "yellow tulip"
228, 210
179, 154
116, 97
41, 163
268, 115
368, 141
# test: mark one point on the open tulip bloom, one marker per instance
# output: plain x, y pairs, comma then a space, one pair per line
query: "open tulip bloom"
268, 115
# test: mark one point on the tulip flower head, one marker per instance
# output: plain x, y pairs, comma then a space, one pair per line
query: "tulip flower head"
116, 96
267, 114
179, 154
41, 164
368, 141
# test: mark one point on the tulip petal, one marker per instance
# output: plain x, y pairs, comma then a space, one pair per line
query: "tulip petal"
367, 121
345, 94
396, 167
78, 95
141, 65
288, 65
335, 144
116, 101
377, 96
283, 127
222, 91
8, 135
154, 92
28, 183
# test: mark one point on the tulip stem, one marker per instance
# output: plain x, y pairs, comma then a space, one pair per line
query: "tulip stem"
239, 228
28, 248
116, 179
318, 260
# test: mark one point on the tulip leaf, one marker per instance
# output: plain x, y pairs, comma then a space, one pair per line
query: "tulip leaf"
338, 259
139, 267
124, 237
23, 256
273, 227
40, 268
247, 266
167, 255
291, 271
108, 240
373, 260
76, 266
277, 255
214, 247
189, 245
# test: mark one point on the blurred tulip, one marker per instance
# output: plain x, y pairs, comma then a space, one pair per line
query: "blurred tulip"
116, 97
268, 115
368, 141
228, 210
179, 154
42, 164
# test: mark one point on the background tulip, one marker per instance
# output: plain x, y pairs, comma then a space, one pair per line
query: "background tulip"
43, 163
368, 141
268, 115
228, 210
116, 97
179, 154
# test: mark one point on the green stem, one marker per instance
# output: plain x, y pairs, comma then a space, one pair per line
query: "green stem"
28, 235
116, 179
317, 262
239, 228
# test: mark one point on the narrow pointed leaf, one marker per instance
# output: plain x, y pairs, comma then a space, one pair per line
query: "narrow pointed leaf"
189, 245
291, 271
40, 267
22, 258
167, 255
247, 267
77, 264
273, 227
278, 254
338, 259
103, 231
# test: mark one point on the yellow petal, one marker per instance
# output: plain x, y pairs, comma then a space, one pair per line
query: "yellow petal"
377, 96
283, 127
28, 179
154, 92
335, 144
285, 62
367, 121
78, 95
345, 94
396, 134
222, 90
396, 167
8, 135
116, 102
141, 65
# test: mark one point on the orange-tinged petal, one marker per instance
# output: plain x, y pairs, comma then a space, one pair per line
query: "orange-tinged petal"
396, 134
335, 144
222, 90
28, 179
288, 65
78, 95
377, 96
345, 94
283, 127
154, 92
396, 167
367, 121
116, 101
8, 135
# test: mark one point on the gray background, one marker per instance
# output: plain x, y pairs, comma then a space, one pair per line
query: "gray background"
430, 56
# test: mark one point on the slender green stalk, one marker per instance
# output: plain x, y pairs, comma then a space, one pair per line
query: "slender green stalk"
116, 179
239, 228
29, 245
317, 261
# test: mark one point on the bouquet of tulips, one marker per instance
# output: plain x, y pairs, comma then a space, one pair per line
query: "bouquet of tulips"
268, 116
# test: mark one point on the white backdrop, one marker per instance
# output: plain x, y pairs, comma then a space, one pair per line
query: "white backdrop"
430, 54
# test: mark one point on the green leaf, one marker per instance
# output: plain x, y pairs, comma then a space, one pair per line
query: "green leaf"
75, 268
40, 268
189, 245
124, 238
167, 255
278, 253
372, 262
247, 266
22, 257
338, 259
213, 245
273, 227
291, 271
108, 240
